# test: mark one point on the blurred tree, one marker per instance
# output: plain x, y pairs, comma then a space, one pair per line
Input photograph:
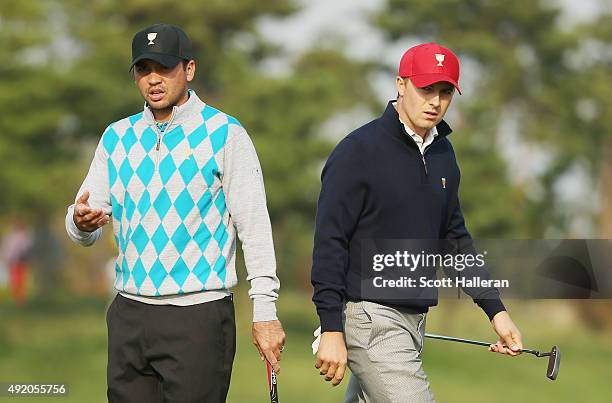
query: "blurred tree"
33, 155
574, 106
590, 143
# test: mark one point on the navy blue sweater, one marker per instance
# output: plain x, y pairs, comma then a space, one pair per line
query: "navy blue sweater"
377, 185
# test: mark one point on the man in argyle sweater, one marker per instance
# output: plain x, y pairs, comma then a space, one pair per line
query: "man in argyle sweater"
179, 180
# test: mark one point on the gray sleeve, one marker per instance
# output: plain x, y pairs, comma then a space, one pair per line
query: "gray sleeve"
96, 182
246, 201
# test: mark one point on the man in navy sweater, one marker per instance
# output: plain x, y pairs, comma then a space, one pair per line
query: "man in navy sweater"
394, 178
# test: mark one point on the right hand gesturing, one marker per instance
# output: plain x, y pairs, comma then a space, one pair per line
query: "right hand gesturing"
86, 218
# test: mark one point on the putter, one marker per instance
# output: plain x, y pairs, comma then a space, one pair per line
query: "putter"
272, 383
554, 355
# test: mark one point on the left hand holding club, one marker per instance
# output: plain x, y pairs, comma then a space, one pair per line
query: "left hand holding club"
510, 341
269, 339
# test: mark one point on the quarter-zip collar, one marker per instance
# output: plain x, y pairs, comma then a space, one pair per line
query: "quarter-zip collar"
180, 114
394, 127
420, 142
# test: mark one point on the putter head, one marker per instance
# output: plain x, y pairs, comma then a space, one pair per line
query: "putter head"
553, 363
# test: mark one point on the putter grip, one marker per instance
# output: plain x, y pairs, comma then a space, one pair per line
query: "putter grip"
272, 383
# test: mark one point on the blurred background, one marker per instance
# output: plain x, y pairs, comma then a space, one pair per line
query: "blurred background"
529, 132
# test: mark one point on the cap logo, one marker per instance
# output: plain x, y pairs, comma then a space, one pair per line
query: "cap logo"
440, 59
151, 36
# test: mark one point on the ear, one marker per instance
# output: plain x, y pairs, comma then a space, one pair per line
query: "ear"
400, 85
190, 70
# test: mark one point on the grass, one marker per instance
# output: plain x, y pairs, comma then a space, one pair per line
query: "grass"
66, 342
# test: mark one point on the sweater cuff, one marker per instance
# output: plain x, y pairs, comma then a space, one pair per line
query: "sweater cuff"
331, 320
264, 311
84, 238
491, 306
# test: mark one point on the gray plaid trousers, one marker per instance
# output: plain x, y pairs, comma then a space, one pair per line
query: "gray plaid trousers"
384, 354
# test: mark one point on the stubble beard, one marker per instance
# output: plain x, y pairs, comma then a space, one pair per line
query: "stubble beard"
167, 109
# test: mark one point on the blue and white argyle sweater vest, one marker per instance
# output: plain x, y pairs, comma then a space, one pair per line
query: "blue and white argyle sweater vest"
170, 220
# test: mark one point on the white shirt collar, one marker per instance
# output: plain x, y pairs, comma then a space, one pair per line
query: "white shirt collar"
420, 142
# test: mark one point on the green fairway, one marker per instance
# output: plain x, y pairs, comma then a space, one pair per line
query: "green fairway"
66, 342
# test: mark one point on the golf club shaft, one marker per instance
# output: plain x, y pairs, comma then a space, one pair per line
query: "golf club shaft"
478, 343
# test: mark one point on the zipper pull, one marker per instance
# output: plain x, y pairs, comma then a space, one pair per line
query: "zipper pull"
425, 164
443, 183
157, 146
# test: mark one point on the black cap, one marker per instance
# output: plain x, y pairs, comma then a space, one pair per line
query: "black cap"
164, 43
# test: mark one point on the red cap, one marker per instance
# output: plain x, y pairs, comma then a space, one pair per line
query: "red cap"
430, 63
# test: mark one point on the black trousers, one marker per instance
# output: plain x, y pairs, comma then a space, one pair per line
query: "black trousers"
170, 354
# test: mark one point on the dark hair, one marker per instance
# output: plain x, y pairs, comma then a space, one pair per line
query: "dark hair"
183, 61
